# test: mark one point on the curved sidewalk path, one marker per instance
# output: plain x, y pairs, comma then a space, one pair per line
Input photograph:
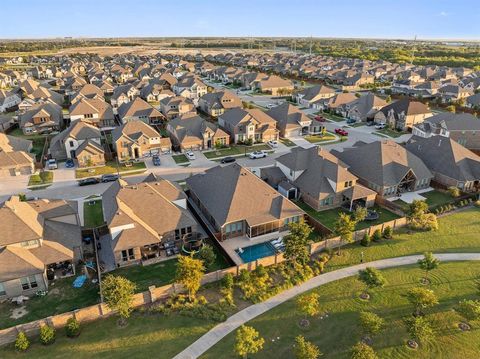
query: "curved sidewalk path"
216, 334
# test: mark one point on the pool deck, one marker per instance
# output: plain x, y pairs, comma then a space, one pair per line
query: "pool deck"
231, 244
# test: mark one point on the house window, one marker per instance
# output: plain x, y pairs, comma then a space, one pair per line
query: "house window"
2, 290
348, 184
28, 282
128, 255
71, 143
179, 233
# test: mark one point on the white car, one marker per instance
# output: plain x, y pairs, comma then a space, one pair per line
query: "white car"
270, 105
273, 144
52, 164
190, 155
258, 154
380, 126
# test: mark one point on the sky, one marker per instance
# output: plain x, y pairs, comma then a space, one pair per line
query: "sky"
428, 19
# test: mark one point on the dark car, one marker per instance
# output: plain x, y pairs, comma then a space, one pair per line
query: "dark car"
228, 160
156, 160
109, 178
69, 163
88, 181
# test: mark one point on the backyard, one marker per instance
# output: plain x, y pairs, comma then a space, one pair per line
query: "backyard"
92, 214
38, 141
111, 167
236, 150
434, 199
41, 178
330, 216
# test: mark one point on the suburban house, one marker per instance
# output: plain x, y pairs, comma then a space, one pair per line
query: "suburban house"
191, 87
41, 241
8, 100
94, 110
123, 94
453, 93
173, 107
291, 121
135, 139
89, 91
42, 118
357, 81
248, 124
154, 92
273, 85
335, 102
192, 132
245, 205
320, 179
6, 122
363, 108
386, 167
403, 114
81, 141
141, 110
451, 163
146, 221
312, 94
463, 128
15, 157
216, 103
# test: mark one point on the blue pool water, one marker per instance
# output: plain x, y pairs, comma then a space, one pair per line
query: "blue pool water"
256, 251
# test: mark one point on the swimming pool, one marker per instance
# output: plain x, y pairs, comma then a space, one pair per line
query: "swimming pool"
249, 254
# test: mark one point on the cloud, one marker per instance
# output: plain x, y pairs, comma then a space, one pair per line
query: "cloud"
443, 13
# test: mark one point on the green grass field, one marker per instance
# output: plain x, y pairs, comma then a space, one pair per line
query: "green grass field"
235, 151
317, 138
287, 142
42, 178
390, 133
93, 214
180, 159
110, 167
336, 333
434, 199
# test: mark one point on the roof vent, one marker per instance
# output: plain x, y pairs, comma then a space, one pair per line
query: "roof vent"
119, 213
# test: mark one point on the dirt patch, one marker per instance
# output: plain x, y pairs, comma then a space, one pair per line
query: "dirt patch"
19, 312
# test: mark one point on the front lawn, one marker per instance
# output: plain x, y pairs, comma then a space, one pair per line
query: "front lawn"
236, 150
337, 333
287, 142
331, 116
330, 216
92, 214
320, 138
179, 159
41, 178
110, 167
390, 133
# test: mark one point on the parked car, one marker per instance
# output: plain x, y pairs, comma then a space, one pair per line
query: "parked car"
52, 164
370, 123
109, 178
270, 106
380, 126
350, 121
228, 160
156, 160
190, 155
320, 118
258, 154
88, 181
273, 144
341, 132
69, 163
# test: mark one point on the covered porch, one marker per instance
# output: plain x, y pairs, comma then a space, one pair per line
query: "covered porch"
358, 195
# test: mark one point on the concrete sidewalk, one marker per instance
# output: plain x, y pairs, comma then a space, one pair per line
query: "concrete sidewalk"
235, 321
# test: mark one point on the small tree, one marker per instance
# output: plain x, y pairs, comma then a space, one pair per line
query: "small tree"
21, 342
118, 295
371, 323
421, 298
72, 328
308, 305
363, 351
47, 335
388, 99
469, 309
377, 235
207, 255
360, 214
296, 243
371, 277
419, 329
388, 232
248, 341
451, 108
305, 349
344, 227
189, 273
418, 218
365, 240
428, 263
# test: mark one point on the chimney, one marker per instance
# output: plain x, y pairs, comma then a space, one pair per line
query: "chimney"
439, 142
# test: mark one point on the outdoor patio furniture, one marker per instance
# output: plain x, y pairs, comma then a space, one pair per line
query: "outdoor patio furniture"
372, 215
170, 252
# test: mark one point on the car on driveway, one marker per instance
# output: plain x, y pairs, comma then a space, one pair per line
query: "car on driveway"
109, 178
270, 106
273, 144
228, 160
341, 132
190, 155
52, 164
257, 154
69, 163
351, 121
156, 160
380, 126
88, 181
320, 118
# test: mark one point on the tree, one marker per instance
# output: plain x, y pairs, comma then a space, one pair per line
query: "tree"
418, 218
363, 351
388, 232
419, 329
305, 349
118, 295
47, 334
189, 273
365, 240
360, 214
421, 298
377, 235
454, 191
428, 263
451, 108
296, 242
308, 304
371, 323
207, 255
72, 328
344, 227
371, 277
21, 342
388, 99
248, 341
469, 309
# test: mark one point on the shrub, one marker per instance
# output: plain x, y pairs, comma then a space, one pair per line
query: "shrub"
22, 343
454, 191
365, 240
72, 328
477, 203
207, 255
47, 335
388, 232
377, 236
